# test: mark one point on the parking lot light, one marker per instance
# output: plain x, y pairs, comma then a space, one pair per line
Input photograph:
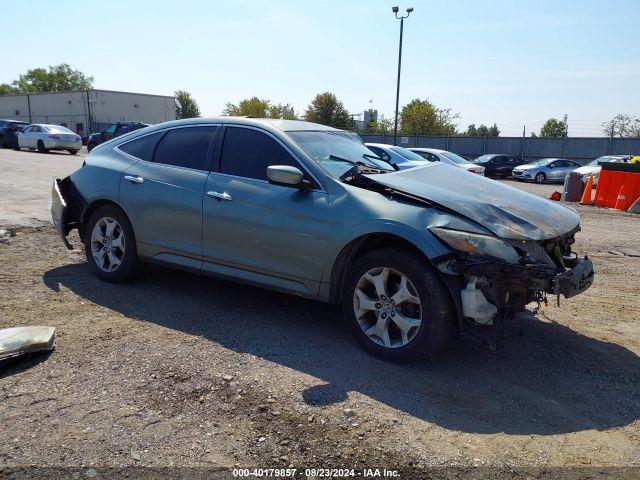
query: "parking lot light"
395, 10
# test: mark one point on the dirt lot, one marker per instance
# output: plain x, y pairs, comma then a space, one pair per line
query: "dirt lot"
178, 370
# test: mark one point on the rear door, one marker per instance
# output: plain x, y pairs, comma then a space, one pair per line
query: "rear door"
162, 192
267, 233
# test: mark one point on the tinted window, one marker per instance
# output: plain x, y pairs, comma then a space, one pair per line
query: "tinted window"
142, 148
185, 147
248, 153
111, 129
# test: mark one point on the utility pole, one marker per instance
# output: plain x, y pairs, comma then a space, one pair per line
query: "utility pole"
395, 10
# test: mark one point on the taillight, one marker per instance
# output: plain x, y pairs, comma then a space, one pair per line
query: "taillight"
55, 136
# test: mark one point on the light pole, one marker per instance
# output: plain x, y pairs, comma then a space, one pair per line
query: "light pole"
401, 18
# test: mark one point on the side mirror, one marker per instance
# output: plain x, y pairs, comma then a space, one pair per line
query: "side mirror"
285, 175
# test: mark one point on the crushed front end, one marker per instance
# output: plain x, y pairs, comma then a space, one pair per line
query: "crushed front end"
67, 208
491, 277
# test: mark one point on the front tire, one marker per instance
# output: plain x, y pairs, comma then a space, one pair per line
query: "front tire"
110, 245
396, 307
41, 147
72, 152
540, 178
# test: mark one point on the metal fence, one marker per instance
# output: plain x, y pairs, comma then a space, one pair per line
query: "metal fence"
577, 148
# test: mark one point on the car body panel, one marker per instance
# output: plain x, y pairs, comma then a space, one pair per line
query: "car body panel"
498, 164
506, 211
51, 136
594, 167
556, 170
290, 239
434, 154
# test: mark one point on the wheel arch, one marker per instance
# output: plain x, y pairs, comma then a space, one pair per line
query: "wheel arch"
367, 242
91, 208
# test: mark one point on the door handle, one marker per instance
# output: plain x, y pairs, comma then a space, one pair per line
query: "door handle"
220, 196
132, 179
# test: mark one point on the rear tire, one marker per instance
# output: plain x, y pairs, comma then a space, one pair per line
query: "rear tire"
3, 144
41, 147
72, 152
411, 329
118, 245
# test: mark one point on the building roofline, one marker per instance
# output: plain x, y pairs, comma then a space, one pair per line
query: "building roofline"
83, 91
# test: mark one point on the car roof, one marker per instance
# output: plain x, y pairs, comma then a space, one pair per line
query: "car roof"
430, 150
13, 121
269, 123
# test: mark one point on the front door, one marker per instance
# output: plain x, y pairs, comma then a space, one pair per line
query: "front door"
252, 225
163, 191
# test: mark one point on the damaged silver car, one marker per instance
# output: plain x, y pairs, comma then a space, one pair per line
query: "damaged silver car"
412, 256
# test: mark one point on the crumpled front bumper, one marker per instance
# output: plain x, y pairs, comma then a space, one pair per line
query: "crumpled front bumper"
575, 281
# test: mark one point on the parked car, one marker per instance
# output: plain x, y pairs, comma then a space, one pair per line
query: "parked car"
545, 170
498, 164
411, 255
397, 156
594, 167
46, 137
8, 132
436, 155
112, 131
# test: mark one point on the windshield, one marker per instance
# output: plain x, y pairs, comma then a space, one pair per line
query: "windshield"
321, 146
455, 158
57, 129
483, 159
408, 154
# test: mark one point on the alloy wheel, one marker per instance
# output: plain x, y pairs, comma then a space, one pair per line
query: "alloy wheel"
107, 244
387, 307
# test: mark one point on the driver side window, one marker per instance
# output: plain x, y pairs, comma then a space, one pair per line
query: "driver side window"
247, 153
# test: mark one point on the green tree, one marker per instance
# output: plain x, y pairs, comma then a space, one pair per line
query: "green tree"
57, 78
553, 128
186, 106
6, 89
494, 131
259, 108
472, 131
622, 125
483, 131
421, 117
326, 109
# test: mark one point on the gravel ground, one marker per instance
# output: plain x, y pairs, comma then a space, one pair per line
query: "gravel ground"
178, 370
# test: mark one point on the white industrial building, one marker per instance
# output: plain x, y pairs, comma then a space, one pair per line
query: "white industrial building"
87, 111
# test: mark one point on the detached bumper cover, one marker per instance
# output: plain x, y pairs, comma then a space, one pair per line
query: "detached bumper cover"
58, 210
67, 208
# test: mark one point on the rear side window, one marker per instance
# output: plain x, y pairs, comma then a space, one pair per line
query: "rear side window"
185, 147
248, 153
143, 147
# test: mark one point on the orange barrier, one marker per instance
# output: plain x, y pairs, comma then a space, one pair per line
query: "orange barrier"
621, 200
612, 184
586, 194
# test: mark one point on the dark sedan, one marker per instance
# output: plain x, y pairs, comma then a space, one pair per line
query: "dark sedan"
9, 132
498, 164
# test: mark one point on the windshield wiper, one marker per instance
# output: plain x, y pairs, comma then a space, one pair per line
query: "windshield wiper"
341, 159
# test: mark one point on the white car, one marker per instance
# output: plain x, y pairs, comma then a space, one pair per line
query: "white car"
397, 156
46, 137
594, 167
435, 155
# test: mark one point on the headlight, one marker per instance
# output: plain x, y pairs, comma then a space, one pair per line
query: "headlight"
476, 244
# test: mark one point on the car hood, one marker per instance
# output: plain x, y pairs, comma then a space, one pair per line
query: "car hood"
504, 210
